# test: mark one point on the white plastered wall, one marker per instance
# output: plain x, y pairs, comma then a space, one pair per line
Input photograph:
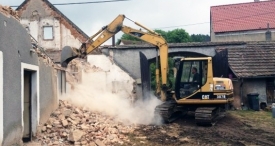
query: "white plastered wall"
62, 35
35, 94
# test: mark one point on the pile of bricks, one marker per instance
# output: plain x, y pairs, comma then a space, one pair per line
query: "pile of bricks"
70, 125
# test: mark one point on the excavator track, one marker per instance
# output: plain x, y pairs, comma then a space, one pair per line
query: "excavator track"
207, 115
168, 111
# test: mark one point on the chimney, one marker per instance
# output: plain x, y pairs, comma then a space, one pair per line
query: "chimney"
268, 34
256, 0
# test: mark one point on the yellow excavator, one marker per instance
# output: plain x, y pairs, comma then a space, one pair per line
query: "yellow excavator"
195, 87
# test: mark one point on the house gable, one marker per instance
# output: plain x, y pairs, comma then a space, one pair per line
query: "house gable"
26, 10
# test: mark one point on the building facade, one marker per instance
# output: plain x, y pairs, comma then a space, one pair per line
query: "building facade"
253, 21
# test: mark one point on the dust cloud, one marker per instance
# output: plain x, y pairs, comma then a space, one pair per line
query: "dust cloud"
110, 92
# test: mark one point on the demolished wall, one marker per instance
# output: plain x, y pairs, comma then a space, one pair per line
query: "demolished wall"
99, 108
107, 89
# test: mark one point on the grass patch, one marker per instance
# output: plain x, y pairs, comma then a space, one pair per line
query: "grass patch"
257, 118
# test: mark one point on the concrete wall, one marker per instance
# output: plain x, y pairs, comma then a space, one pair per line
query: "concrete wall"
62, 36
258, 35
128, 58
249, 86
254, 86
15, 44
48, 91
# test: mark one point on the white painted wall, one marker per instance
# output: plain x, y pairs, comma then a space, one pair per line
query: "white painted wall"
1, 99
62, 35
35, 29
115, 79
35, 94
68, 39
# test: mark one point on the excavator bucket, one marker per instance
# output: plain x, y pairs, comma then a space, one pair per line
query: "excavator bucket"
145, 76
67, 55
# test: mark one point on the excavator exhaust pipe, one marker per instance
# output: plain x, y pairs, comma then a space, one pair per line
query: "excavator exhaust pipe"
67, 55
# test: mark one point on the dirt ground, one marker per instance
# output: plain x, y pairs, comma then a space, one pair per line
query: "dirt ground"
236, 128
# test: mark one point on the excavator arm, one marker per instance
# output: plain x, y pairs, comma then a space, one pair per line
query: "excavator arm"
157, 40
109, 31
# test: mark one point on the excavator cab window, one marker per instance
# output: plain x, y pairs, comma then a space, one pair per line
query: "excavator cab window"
190, 77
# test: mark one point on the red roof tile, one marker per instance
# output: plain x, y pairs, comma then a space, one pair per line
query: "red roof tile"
244, 16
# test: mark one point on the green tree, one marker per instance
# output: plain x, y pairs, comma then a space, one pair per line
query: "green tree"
178, 36
162, 33
129, 37
170, 77
200, 38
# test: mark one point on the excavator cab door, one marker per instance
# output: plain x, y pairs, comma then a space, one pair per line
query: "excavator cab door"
190, 77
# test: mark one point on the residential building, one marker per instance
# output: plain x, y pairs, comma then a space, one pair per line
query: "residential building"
51, 28
253, 21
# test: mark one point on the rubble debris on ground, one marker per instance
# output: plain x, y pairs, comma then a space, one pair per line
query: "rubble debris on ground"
268, 108
70, 125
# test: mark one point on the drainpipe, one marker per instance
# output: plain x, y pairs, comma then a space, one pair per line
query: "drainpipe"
242, 93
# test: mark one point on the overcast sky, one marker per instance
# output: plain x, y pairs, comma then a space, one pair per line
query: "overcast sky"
191, 15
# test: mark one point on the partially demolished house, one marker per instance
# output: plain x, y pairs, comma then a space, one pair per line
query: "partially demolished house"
51, 28
28, 82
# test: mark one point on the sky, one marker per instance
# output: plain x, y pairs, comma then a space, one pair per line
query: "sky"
191, 15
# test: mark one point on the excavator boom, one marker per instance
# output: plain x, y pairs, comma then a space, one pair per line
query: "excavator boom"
109, 31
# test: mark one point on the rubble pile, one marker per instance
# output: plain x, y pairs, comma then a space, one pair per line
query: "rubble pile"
70, 125
8, 11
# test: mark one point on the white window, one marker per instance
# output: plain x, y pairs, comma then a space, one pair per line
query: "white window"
48, 32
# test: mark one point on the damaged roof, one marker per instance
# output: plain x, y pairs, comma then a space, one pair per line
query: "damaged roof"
85, 36
255, 60
243, 16
8, 11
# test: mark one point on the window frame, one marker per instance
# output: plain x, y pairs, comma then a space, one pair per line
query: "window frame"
48, 39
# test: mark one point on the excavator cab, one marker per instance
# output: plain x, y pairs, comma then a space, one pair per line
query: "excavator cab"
199, 92
191, 76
